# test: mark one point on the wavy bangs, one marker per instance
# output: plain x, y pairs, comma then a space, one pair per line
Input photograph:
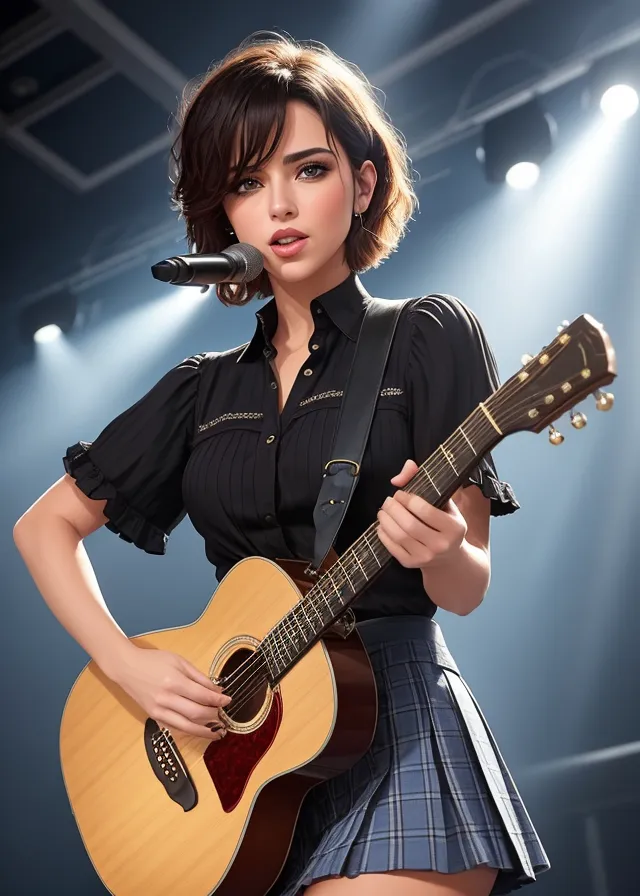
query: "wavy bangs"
232, 121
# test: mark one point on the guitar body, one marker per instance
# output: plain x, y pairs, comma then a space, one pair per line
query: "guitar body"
229, 827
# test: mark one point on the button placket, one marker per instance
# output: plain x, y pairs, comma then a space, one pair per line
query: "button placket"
267, 462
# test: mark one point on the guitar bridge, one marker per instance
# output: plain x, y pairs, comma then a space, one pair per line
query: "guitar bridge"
167, 765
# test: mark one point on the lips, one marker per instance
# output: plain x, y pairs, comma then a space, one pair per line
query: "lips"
283, 234
289, 249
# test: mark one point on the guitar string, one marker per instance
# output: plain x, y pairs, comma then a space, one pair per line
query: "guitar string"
250, 664
253, 663
309, 599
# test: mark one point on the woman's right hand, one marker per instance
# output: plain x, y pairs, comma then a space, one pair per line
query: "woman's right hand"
172, 692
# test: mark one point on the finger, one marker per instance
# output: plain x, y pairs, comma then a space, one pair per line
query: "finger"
200, 694
407, 473
197, 675
402, 541
196, 712
401, 554
436, 518
400, 523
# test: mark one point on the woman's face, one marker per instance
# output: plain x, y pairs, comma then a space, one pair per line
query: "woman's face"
315, 194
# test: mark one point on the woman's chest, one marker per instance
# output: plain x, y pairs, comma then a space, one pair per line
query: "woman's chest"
286, 370
265, 434
251, 473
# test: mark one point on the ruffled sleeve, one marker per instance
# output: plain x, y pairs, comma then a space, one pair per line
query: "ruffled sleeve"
137, 461
451, 369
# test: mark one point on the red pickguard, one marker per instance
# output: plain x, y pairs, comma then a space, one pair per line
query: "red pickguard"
231, 760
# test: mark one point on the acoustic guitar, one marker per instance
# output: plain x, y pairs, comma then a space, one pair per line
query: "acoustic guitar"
168, 814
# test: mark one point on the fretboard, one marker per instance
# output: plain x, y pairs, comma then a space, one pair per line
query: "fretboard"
436, 480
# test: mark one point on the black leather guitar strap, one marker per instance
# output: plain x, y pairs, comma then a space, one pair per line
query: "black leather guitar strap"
358, 405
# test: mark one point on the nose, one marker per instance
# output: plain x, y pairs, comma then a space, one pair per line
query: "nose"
282, 205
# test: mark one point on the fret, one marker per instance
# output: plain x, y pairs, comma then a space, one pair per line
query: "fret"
282, 643
269, 657
285, 628
301, 605
295, 619
447, 457
375, 556
432, 482
338, 563
322, 594
310, 601
353, 552
465, 437
337, 590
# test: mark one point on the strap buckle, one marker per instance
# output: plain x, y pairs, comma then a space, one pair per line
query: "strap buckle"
341, 460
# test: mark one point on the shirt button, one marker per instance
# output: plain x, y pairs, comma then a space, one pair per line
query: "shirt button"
274, 385
271, 439
315, 347
269, 518
308, 371
318, 310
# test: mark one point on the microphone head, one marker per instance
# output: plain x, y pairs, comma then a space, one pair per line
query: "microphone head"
165, 270
248, 259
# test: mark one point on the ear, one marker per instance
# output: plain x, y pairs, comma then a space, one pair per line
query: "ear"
365, 183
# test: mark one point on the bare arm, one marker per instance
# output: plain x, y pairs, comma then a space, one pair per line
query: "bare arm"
49, 537
450, 544
460, 583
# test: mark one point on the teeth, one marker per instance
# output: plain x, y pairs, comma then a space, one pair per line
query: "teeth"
287, 239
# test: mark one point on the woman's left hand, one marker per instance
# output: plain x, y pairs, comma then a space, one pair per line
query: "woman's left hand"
415, 532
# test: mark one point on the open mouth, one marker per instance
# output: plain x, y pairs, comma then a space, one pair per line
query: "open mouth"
289, 246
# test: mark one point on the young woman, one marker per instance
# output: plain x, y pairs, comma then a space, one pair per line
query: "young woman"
284, 146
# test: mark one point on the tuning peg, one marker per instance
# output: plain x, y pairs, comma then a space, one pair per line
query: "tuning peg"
604, 400
525, 359
555, 437
563, 326
578, 419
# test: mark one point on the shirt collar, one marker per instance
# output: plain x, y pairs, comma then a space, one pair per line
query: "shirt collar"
344, 305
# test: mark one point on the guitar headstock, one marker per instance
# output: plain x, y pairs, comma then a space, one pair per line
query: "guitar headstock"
577, 363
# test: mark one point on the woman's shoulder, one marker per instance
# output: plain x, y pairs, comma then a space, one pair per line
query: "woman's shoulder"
212, 362
440, 310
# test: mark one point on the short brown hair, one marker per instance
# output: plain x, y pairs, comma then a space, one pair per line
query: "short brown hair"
245, 95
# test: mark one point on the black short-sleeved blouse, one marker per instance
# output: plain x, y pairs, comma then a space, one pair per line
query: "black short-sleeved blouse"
208, 439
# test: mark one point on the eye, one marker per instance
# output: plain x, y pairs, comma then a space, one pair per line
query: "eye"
318, 167
247, 180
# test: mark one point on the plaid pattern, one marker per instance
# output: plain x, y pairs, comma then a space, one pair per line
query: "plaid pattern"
432, 792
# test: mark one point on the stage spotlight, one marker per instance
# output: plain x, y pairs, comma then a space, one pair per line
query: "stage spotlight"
47, 334
523, 176
619, 102
47, 319
614, 84
515, 145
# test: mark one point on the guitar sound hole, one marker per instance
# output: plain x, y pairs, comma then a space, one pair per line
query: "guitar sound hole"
248, 690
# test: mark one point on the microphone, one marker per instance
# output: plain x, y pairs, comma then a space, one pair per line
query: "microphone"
240, 263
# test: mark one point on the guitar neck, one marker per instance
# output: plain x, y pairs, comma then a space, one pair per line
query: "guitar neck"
336, 589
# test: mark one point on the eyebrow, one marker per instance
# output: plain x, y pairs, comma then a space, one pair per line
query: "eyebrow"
304, 153
295, 156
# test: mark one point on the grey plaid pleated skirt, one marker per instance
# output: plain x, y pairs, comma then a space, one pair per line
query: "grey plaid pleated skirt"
431, 793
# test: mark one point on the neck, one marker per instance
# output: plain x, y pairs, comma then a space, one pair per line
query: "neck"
293, 301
